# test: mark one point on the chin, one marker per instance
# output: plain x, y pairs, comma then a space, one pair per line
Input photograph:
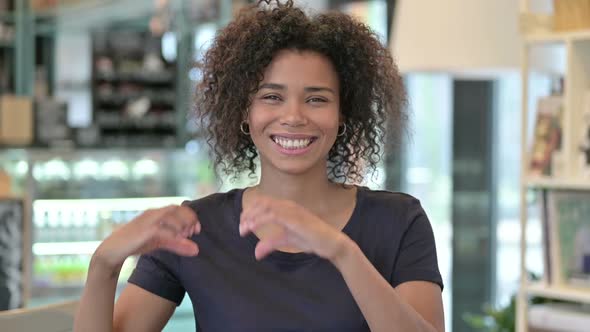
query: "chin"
293, 168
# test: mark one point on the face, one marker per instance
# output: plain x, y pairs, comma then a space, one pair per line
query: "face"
295, 115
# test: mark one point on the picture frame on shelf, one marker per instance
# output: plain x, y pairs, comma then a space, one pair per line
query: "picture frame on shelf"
546, 237
546, 146
568, 215
13, 254
583, 152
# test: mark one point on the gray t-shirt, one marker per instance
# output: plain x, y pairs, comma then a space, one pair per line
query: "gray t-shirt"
231, 291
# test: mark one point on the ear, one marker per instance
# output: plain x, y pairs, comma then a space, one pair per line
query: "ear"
246, 116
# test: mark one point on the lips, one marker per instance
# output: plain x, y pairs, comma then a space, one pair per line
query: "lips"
293, 142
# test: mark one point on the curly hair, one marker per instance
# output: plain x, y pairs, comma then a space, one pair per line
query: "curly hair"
372, 94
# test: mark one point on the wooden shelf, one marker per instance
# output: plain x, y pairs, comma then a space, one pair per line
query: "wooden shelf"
154, 78
7, 16
559, 292
557, 37
10, 197
545, 38
6, 44
552, 183
94, 12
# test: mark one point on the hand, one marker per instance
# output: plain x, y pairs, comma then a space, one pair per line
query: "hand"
298, 228
164, 228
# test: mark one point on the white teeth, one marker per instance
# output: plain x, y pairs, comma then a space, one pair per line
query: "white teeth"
292, 143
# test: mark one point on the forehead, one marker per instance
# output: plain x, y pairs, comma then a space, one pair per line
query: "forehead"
301, 68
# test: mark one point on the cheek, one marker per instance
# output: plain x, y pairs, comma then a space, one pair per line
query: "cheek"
330, 122
255, 132
258, 121
333, 131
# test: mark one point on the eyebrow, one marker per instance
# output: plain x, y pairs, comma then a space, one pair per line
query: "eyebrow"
275, 86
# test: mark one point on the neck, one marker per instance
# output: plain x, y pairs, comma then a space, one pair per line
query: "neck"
307, 189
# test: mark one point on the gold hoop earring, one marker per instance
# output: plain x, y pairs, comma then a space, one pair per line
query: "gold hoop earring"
247, 133
343, 130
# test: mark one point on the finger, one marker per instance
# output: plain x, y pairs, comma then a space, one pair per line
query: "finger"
266, 246
248, 213
170, 223
190, 216
196, 229
175, 228
187, 213
258, 221
167, 240
184, 217
246, 223
183, 247
257, 210
182, 220
245, 218
258, 205
279, 210
189, 231
154, 215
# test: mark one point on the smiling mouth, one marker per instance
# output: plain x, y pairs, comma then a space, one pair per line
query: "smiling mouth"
293, 143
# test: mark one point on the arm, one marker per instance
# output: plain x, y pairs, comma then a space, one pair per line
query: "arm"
412, 306
95, 312
155, 311
165, 228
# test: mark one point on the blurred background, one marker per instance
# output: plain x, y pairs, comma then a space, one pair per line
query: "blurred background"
96, 126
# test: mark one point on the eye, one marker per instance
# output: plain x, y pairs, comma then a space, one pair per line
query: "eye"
272, 97
316, 100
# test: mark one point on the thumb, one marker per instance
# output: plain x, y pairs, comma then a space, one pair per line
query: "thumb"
180, 246
265, 247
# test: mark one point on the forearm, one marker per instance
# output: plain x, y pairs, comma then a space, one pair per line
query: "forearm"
381, 306
95, 311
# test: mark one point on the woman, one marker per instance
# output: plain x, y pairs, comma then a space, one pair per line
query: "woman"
303, 250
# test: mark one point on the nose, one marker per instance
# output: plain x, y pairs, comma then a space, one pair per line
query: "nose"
293, 115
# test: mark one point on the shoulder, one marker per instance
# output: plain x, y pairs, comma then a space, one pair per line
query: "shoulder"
388, 197
389, 200
215, 202
392, 208
215, 199
219, 209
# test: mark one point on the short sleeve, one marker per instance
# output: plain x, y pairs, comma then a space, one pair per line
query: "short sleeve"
416, 260
155, 272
